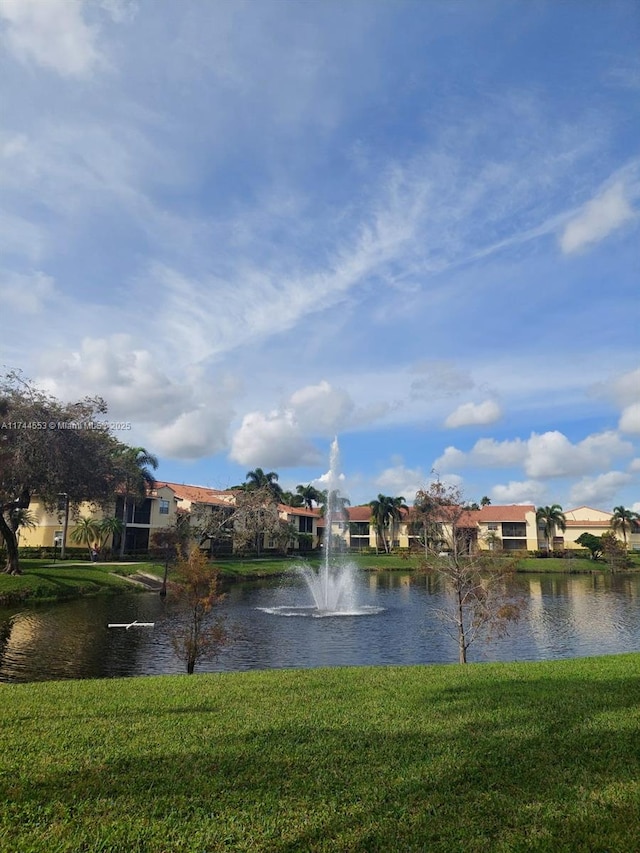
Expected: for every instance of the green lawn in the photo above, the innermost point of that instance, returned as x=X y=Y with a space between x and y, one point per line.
x=43 y=579
x=488 y=757
x=560 y=564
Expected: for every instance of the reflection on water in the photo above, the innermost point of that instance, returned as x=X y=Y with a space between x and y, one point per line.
x=565 y=616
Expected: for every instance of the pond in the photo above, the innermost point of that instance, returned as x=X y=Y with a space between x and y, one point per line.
x=565 y=616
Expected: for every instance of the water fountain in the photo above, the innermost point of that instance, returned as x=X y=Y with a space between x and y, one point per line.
x=333 y=587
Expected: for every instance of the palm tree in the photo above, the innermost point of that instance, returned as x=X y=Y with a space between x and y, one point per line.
x=258 y=479
x=21 y=518
x=485 y=501
x=109 y=527
x=385 y=513
x=289 y=499
x=133 y=464
x=309 y=495
x=552 y=517
x=335 y=500
x=87 y=532
x=622 y=520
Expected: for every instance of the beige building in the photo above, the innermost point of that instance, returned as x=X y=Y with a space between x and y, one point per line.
x=512 y=527
x=303 y=521
x=157 y=511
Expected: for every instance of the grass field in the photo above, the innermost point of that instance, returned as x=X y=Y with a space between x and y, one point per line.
x=488 y=757
x=42 y=579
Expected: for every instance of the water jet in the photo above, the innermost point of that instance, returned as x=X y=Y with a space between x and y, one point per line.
x=333 y=587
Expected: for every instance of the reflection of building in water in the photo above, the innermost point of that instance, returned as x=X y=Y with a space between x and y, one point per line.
x=579 y=614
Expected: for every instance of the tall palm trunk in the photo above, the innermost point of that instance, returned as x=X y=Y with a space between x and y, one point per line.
x=124 y=527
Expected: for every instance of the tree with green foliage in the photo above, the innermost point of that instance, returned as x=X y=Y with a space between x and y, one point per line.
x=87 y=532
x=481 y=601
x=95 y=533
x=197 y=586
x=135 y=480
x=310 y=495
x=485 y=501
x=47 y=448
x=550 y=518
x=386 y=511
x=336 y=501
x=289 y=499
x=258 y=479
x=592 y=543
x=623 y=521
x=110 y=529
x=614 y=552
x=21 y=519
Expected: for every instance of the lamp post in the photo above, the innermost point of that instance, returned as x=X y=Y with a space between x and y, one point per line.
x=63 y=506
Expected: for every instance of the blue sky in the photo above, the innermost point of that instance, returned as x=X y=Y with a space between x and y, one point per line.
x=252 y=226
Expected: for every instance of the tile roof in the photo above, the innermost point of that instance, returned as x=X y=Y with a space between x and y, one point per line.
x=510 y=512
x=359 y=513
x=200 y=494
x=299 y=510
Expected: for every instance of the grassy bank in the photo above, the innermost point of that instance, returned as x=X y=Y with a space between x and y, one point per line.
x=500 y=757
x=43 y=580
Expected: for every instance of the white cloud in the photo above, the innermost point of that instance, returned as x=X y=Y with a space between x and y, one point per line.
x=525 y=492
x=553 y=455
x=451 y=459
x=598 y=491
x=128 y=376
x=272 y=440
x=469 y=414
x=630 y=419
x=626 y=388
x=624 y=391
x=597 y=219
x=400 y=480
x=51 y=33
x=486 y=453
x=194 y=434
x=549 y=454
x=321 y=409
x=26 y=293
x=282 y=436
x=635 y=465
x=184 y=419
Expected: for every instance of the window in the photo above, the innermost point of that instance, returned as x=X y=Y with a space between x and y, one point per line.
x=305 y=524
x=514 y=528
x=514 y=544
x=164 y=507
x=359 y=528
x=492 y=525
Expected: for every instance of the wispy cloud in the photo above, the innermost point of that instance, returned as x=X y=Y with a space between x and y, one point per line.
x=256 y=224
x=52 y=34
x=598 y=218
